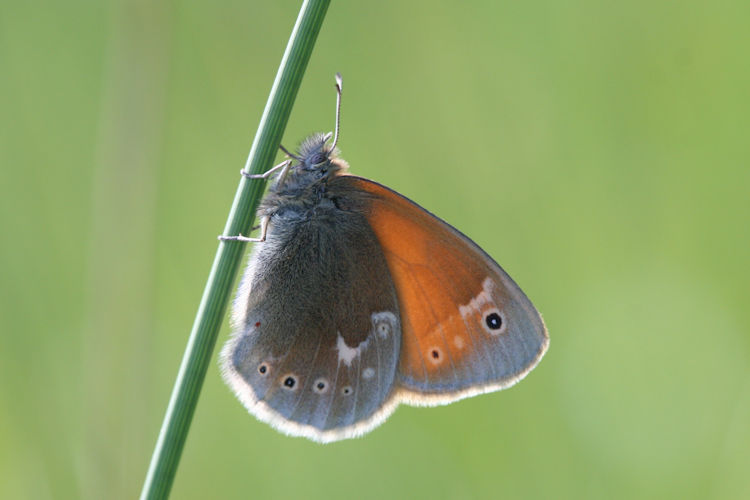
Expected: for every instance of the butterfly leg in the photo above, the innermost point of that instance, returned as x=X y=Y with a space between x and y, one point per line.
x=263 y=231
x=284 y=165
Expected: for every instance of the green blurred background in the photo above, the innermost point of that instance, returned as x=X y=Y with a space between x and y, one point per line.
x=598 y=150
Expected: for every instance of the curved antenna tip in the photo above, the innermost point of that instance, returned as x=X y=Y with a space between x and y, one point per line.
x=339 y=85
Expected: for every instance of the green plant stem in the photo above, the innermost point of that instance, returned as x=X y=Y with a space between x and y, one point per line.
x=213 y=304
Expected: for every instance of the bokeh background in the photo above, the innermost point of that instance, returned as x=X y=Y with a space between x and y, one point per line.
x=598 y=150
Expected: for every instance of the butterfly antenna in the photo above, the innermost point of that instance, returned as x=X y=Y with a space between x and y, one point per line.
x=339 y=85
x=290 y=155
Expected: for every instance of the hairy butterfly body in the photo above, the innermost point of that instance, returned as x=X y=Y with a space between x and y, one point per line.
x=356 y=299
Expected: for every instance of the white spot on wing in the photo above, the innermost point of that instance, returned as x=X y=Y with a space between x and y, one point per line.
x=369 y=372
x=482 y=299
x=481 y=306
x=346 y=353
x=384 y=322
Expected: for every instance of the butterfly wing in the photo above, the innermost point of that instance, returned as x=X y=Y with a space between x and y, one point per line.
x=316 y=328
x=467 y=327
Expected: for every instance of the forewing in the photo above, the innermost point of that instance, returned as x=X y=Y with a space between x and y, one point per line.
x=467 y=327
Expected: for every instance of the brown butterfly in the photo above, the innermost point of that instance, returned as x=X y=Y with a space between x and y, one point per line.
x=356 y=299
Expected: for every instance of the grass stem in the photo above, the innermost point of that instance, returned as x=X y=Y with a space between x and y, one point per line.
x=199 y=350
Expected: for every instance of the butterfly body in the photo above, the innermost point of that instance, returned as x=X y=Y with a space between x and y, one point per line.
x=357 y=299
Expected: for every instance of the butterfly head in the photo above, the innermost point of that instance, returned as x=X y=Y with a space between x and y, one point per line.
x=317 y=160
x=318 y=156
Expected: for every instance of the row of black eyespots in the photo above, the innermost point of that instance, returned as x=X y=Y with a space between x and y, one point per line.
x=493 y=320
x=289 y=382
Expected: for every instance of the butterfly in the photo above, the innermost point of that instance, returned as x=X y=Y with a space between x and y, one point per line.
x=356 y=299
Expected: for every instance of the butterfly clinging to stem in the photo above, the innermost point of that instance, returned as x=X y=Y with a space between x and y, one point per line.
x=356 y=299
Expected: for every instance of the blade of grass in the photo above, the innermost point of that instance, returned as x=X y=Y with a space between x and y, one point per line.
x=213 y=304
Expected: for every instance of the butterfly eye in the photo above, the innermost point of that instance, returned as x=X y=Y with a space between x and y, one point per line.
x=318 y=159
x=494 y=322
x=290 y=382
